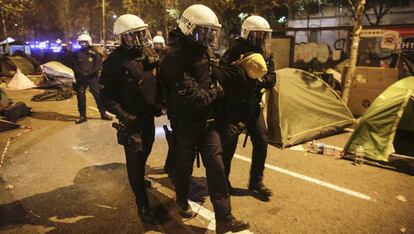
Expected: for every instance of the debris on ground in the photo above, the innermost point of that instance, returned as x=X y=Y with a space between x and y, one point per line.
x=81 y=148
x=401 y=198
x=297 y=148
x=322 y=148
x=9 y=187
x=105 y=206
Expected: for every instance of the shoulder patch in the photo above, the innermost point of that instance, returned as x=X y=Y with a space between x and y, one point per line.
x=181 y=92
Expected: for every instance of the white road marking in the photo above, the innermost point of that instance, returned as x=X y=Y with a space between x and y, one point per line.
x=310 y=179
x=197 y=208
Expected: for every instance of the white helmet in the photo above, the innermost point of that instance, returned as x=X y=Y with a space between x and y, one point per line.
x=158 y=39
x=131 y=31
x=85 y=37
x=201 y=24
x=158 y=42
x=257 y=31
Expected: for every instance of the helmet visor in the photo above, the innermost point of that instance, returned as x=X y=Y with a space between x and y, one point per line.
x=136 y=38
x=260 y=39
x=207 y=36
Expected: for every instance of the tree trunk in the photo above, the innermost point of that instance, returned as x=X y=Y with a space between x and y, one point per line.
x=354 y=50
x=307 y=26
x=3 y=22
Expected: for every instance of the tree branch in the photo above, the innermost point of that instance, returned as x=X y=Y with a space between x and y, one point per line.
x=352 y=6
x=368 y=18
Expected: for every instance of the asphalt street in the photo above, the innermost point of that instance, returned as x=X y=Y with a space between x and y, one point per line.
x=68 y=178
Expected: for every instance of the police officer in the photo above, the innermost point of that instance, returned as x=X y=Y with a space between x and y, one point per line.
x=86 y=65
x=191 y=95
x=255 y=38
x=158 y=43
x=129 y=92
x=159 y=46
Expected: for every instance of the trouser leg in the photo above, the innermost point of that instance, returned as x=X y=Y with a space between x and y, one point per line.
x=135 y=163
x=259 y=137
x=81 y=97
x=169 y=165
x=94 y=88
x=136 y=158
x=183 y=173
x=229 y=148
x=211 y=153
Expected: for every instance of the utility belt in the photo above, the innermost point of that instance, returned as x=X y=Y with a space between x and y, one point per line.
x=126 y=138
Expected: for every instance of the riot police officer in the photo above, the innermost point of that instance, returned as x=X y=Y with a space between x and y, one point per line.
x=158 y=43
x=255 y=38
x=129 y=92
x=190 y=98
x=86 y=66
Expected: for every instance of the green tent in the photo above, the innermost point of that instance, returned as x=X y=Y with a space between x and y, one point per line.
x=389 y=118
x=4 y=99
x=302 y=107
x=9 y=65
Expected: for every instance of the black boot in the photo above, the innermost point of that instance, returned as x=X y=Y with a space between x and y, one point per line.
x=260 y=188
x=233 y=225
x=106 y=117
x=81 y=120
x=185 y=210
x=146 y=215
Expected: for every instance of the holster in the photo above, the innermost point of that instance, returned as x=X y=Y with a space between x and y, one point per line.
x=128 y=139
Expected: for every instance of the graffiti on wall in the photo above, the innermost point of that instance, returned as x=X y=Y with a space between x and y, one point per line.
x=306 y=52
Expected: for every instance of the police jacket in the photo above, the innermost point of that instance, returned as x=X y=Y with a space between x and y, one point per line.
x=240 y=97
x=185 y=74
x=87 y=63
x=128 y=83
x=242 y=94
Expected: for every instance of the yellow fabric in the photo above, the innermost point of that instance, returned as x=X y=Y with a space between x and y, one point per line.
x=254 y=65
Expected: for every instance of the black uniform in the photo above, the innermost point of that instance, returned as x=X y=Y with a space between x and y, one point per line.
x=129 y=92
x=242 y=108
x=185 y=73
x=87 y=63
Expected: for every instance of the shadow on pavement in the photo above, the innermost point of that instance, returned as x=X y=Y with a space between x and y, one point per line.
x=99 y=201
x=50 y=115
x=198 y=187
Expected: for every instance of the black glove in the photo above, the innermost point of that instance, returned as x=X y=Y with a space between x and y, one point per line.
x=130 y=121
x=234 y=130
x=134 y=68
x=218 y=88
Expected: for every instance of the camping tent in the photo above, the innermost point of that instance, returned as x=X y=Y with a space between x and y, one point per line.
x=57 y=75
x=389 y=117
x=302 y=107
x=20 y=82
x=10 y=64
x=4 y=100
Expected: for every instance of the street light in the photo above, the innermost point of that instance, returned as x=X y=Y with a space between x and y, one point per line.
x=114 y=16
x=103 y=23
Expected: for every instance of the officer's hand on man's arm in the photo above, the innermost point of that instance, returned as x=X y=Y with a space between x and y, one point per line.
x=134 y=68
x=269 y=80
x=218 y=89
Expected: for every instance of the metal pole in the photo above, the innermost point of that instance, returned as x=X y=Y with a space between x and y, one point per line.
x=103 y=23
